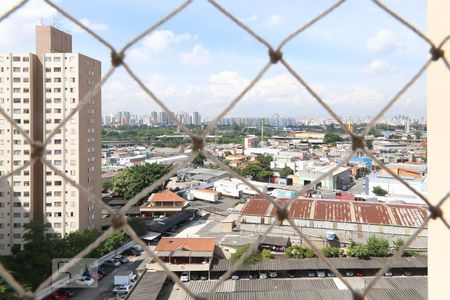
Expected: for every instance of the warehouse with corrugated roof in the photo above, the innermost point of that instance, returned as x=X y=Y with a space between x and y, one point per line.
x=348 y=219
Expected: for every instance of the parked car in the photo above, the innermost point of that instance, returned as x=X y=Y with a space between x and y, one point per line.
x=184 y=277
x=194 y=276
x=56 y=295
x=122 y=259
x=253 y=275
x=112 y=262
x=321 y=274
x=273 y=274
x=84 y=281
x=291 y=273
x=234 y=276
x=349 y=274
x=97 y=276
x=388 y=274
x=203 y=276
x=262 y=275
x=407 y=272
x=122 y=289
x=131 y=252
x=102 y=271
x=331 y=274
x=359 y=273
x=311 y=274
x=138 y=248
x=67 y=292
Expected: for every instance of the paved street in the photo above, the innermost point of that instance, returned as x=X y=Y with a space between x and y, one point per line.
x=358 y=188
x=105 y=286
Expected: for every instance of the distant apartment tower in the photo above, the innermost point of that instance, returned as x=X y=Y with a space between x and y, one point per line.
x=196 y=118
x=38 y=92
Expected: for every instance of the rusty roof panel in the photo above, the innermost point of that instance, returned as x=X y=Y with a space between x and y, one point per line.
x=409 y=215
x=256 y=206
x=372 y=213
x=300 y=209
x=338 y=211
x=282 y=202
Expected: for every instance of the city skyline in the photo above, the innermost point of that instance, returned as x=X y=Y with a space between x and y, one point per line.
x=356 y=69
x=195 y=118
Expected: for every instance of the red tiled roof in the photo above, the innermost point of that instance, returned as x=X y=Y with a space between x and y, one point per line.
x=188 y=244
x=165 y=196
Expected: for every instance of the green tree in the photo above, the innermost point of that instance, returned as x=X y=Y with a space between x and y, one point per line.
x=369 y=144
x=299 y=251
x=264 y=160
x=266 y=254
x=253 y=258
x=114 y=241
x=379 y=191
x=333 y=252
x=252 y=170
x=130 y=181
x=418 y=135
x=398 y=244
x=199 y=160
x=376 y=133
x=357 y=250
x=364 y=171
x=107 y=185
x=331 y=138
x=285 y=172
x=377 y=247
x=264 y=175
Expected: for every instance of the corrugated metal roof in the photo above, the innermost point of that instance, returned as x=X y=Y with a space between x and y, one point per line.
x=316 y=264
x=256 y=207
x=408 y=215
x=410 y=288
x=148 y=286
x=372 y=213
x=282 y=203
x=300 y=209
x=333 y=211
x=342 y=211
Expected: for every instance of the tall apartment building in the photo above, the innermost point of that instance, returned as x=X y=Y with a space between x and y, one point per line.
x=38 y=91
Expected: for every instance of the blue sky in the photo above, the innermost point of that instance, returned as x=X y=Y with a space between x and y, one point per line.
x=356 y=58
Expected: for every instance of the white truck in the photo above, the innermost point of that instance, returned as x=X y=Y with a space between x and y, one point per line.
x=124 y=278
x=206 y=194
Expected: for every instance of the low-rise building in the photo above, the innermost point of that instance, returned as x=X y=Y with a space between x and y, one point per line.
x=184 y=254
x=164 y=203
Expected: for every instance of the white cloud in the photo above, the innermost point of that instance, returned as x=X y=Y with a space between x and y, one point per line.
x=361 y=96
x=161 y=39
x=379 y=67
x=157 y=42
x=18 y=30
x=275 y=94
x=199 y=56
x=384 y=41
x=252 y=18
x=226 y=84
x=98 y=27
x=273 y=20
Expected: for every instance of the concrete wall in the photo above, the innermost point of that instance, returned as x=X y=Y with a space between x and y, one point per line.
x=358 y=233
